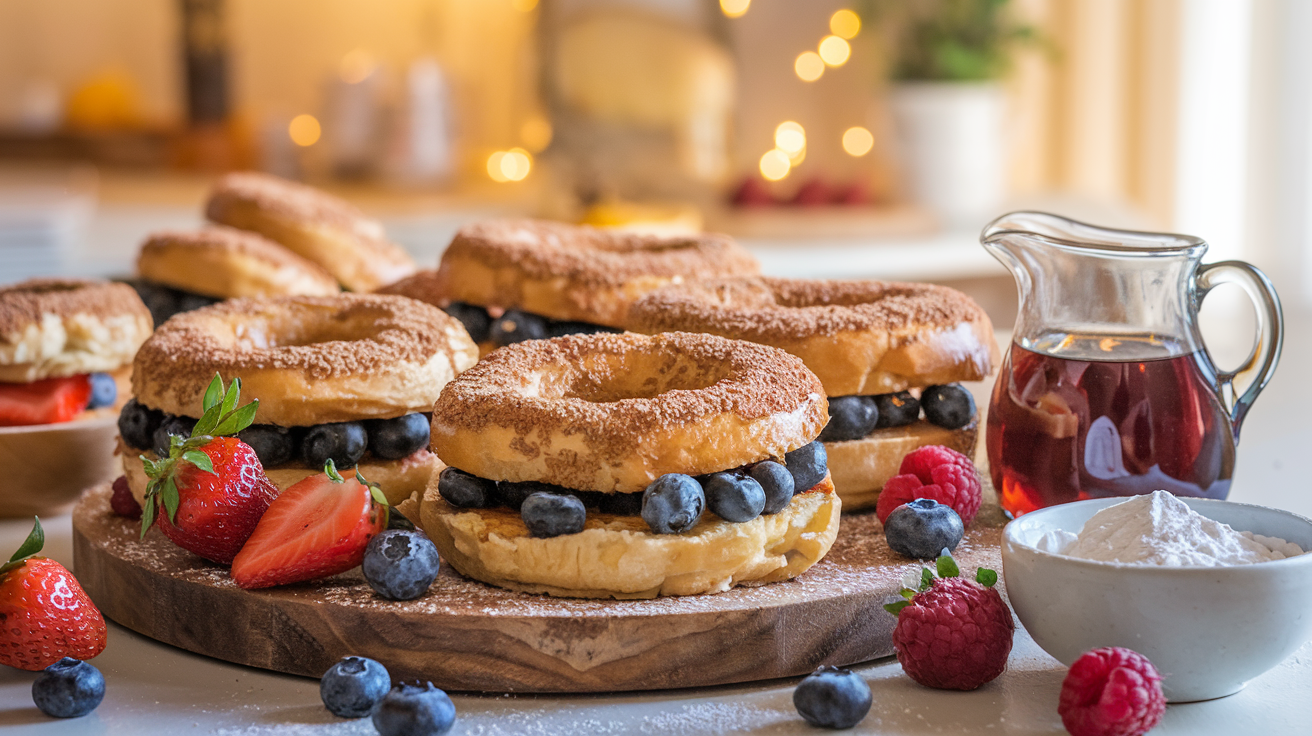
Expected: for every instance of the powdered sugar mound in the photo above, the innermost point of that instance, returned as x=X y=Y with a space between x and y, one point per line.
x=1160 y=529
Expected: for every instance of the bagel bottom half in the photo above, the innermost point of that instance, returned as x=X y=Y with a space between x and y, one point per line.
x=399 y=479
x=860 y=468
x=617 y=557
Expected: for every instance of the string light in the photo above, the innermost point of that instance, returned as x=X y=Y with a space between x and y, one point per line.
x=735 y=8
x=790 y=138
x=809 y=66
x=775 y=165
x=858 y=141
x=304 y=130
x=512 y=165
x=845 y=24
x=834 y=50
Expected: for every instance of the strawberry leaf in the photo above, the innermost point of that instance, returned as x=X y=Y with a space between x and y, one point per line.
x=896 y=608
x=169 y=495
x=947 y=567
x=213 y=394
x=36 y=539
x=199 y=459
x=377 y=494
x=152 y=470
x=208 y=421
x=926 y=579
x=330 y=470
x=147 y=513
x=986 y=577
x=237 y=420
x=231 y=396
x=908 y=593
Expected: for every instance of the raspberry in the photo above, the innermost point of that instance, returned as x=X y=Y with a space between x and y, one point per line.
x=1111 y=692
x=122 y=502
x=954 y=636
x=938 y=473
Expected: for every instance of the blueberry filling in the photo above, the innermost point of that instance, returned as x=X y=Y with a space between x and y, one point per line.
x=166 y=301
x=346 y=443
x=517 y=326
x=854 y=417
x=672 y=504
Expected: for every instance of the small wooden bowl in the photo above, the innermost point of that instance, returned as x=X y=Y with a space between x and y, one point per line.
x=47 y=466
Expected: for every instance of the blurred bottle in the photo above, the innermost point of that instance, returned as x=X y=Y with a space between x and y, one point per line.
x=353 y=116
x=211 y=141
x=420 y=150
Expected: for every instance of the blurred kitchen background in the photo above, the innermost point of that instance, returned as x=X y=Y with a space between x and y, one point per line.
x=838 y=138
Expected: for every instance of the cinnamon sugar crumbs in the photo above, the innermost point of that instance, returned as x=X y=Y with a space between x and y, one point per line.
x=25 y=303
x=320 y=337
x=588 y=255
x=293 y=201
x=766 y=309
x=424 y=286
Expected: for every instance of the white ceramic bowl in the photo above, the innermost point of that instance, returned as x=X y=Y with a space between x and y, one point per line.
x=1208 y=630
x=47 y=466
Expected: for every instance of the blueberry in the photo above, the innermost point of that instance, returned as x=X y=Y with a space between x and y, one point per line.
x=733 y=497
x=68 y=688
x=400 y=565
x=516 y=326
x=476 y=320
x=137 y=425
x=897 y=410
x=104 y=391
x=832 y=698
x=344 y=442
x=172 y=425
x=553 y=514
x=353 y=686
x=511 y=494
x=412 y=709
x=850 y=418
x=950 y=406
x=621 y=504
x=274 y=445
x=777 y=483
x=393 y=439
x=160 y=300
x=466 y=491
x=922 y=528
x=673 y=503
x=557 y=328
x=809 y=465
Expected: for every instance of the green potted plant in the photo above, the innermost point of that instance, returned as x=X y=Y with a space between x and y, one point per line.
x=946 y=60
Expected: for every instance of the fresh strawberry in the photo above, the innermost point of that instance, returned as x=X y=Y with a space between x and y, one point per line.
x=212 y=487
x=316 y=528
x=953 y=633
x=44 y=614
x=43 y=402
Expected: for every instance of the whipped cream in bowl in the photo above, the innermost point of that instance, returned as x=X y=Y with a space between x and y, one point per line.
x=1213 y=592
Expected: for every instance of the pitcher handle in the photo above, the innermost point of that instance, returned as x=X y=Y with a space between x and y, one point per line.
x=1261 y=361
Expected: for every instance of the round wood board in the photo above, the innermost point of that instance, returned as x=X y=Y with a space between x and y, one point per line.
x=466 y=636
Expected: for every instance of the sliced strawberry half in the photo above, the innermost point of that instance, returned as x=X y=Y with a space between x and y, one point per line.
x=316 y=528
x=43 y=402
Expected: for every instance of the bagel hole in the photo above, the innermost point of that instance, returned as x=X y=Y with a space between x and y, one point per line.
x=608 y=380
x=287 y=333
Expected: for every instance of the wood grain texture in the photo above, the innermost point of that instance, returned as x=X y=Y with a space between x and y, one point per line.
x=466 y=636
x=48 y=466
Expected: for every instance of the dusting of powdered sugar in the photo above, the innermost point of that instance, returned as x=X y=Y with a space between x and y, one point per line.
x=1160 y=529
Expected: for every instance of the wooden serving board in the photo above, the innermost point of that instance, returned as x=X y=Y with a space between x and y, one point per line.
x=467 y=636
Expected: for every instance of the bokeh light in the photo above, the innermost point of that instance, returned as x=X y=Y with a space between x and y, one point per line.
x=512 y=165
x=775 y=165
x=845 y=24
x=790 y=138
x=735 y=8
x=809 y=66
x=858 y=141
x=834 y=51
x=304 y=130
x=536 y=133
x=356 y=66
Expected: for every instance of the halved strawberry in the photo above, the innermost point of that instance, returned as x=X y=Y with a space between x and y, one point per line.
x=212 y=488
x=44 y=402
x=316 y=528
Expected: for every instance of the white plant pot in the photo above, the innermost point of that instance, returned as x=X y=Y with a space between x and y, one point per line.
x=952 y=146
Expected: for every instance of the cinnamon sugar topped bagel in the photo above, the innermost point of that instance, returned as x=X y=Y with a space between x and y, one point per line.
x=612 y=413
x=227 y=263
x=316 y=225
x=309 y=360
x=572 y=273
x=859 y=337
x=64 y=327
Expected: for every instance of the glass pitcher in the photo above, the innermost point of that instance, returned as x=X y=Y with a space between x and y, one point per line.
x=1108 y=389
